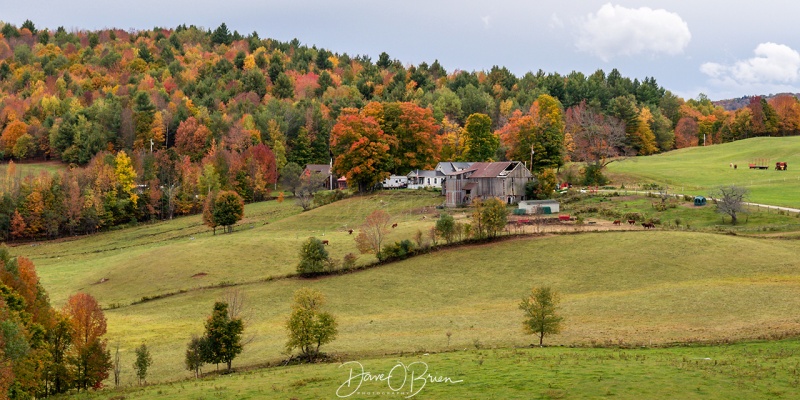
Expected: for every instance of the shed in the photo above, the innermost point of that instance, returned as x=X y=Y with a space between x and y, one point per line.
x=539 y=206
x=699 y=201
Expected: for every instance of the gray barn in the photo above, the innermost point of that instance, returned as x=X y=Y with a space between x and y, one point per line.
x=482 y=180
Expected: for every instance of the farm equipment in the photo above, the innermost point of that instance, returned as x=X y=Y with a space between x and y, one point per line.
x=759 y=163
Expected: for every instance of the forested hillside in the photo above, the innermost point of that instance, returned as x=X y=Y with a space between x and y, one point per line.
x=156 y=120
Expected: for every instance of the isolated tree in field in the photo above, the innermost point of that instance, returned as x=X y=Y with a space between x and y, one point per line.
x=540 y=313
x=223 y=336
x=208 y=211
x=445 y=227
x=489 y=217
x=195 y=351
x=375 y=228
x=142 y=363
x=228 y=209
x=313 y=257
x=308 y=326
x=730 y=200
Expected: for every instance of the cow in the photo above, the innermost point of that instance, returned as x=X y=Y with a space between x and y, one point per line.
x=648 y=225
x=349 y=231
x=394 y=225
x=325 y=242
x=617 y=222
x=631 y=222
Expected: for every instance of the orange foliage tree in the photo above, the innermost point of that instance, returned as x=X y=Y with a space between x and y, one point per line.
x=361 y=150
x=88 y=322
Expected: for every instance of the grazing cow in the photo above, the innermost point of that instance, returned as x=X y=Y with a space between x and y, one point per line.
x=325 y=242
x=349 y=231
x=617 y=222
x=394 y=225
x=631 y=222
x=648 y=225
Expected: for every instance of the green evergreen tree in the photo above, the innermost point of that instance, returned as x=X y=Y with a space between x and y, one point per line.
x=223 y=336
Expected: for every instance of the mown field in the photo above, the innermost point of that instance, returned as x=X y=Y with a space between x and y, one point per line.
x=699 y=170
x=739 y=371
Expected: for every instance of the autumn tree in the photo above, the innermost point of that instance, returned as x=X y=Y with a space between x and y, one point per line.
x=480 y=143
x=686 y=133
x=597 y=139
x=489 y=217
x=144 y=116
x=126 y=176
x=371 y=235
x=91 y=359
x=308 y=326
x=191 y=137
x=414 y=128
x=361 y=150
x=228 y=209
x=787 y=108
x=643 y=138
x=12 y=132
x=223 y=336
x=541 y=317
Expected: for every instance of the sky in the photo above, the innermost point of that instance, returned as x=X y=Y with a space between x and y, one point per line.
x=721 y=48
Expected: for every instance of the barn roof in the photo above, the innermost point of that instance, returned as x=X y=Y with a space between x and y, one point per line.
x=490 y=169
x=321 y=168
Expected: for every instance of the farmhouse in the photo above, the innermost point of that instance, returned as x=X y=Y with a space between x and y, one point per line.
x=325 y=170
x=424 y=179
x=482 y=180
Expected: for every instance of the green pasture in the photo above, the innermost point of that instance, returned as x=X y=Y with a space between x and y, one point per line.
x=739 y=371
x=636 y=288
x=183 y=254
x=699 y=170
x=678 y=213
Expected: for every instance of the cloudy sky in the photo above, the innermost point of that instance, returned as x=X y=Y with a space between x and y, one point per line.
x=723 y=48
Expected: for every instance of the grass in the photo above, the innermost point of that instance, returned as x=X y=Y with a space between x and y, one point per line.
x=153 y=259
x=629 y=288
x=699 y=170
x=739 y=371
x=33 y=168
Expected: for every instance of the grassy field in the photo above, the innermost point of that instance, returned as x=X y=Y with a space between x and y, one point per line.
x=626 y=288
x=739 y=371
x=699 y=170
x=33 y=168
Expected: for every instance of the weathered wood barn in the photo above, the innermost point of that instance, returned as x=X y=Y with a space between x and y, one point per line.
x=482 y=180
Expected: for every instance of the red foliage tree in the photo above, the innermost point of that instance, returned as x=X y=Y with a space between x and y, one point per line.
x=361 y=149
x=686 y=133
x=191 y=137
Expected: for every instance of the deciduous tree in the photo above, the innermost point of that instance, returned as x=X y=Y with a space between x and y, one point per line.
x=228 y=209
x=480 y=142
x=541 y=317
x=370 y=236
x=91 y=360
x=361 y=150
x=223 y=335
x=731 y=200
x=309 y=327
x=313 y=257
x=142 y=363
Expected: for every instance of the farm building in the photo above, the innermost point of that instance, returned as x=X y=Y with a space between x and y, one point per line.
x=482 y=180
x=449 y=167
x=424 y=179
x=395 y=182
x=539 y=206
x=325 y=170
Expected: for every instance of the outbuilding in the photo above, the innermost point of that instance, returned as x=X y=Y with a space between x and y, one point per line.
x=699 y=201
x=539 y=206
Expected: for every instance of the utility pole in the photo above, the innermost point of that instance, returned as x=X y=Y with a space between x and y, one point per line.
x=151 y=145
x=531 y=158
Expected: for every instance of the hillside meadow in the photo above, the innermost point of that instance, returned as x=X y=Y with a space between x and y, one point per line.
x=739 y=371
x=699 y=170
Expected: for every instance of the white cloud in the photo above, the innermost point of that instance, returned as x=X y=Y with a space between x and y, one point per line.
x=487 y=21
x=619 y=31
x=773 y=64
x=555 y=22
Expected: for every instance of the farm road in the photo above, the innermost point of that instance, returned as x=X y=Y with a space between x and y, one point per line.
x=757 y=205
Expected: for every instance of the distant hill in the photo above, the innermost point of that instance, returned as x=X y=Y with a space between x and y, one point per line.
x=739 y=102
